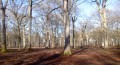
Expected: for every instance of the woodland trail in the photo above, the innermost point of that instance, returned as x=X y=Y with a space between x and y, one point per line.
x=86 y=56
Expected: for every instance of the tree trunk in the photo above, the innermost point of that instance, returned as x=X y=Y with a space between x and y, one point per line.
x=67 y=49
x=104 y=24
x=102 y=12
x=30 y=24
x=48 y=40
x=24 y=37
x=60 y=38
x=19 y=36
x=3 y=45
x=39 y=41
x=87 y=38
x=73 y=20
x=0 y=33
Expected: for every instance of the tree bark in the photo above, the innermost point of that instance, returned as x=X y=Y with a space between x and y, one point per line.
x=40 y=41
x=30 y=23
x=102 y=12
x=19 y=36
x=67 y=49
x=73 y=20
x=3 y=45
x=24 y=37
x=105 y=23
x=48 y=40
x=1 y=32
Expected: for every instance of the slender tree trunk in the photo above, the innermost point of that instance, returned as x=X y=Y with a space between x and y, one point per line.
x=3 y=45
x=87 y=38
x=73 y=20
x=48 y=40
x=67 y=49
x=48 y=32
x=24 y=37
x=30 y=24
x=54 y=38
x=19 y=36
x=39 y=41
x=0 y=33
x=60 y=41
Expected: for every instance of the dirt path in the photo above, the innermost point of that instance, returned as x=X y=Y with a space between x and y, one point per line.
x=94 y=57
x=87 y=56
x=84 y=57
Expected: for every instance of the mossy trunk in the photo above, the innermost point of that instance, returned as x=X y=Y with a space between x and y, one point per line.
x=4 y=48
x=3 y=45
x=67 y=51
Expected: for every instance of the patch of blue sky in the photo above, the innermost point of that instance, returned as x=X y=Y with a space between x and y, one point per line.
x=88 y=8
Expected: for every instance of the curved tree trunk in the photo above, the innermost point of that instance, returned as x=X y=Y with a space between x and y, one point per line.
x=67 y=50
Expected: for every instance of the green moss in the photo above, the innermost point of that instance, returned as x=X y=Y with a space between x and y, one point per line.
x=4 y=51
x=67 y=53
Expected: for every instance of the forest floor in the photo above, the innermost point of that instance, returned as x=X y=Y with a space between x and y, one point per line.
x=41 y=56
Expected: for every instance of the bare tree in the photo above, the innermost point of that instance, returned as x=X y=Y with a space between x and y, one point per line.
x=102 y=11
x=14 y=9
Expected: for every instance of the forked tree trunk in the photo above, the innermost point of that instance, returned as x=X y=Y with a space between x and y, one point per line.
x=67 y=49
x=102 y=12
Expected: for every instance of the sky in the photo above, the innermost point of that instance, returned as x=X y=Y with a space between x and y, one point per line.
x=87 y=8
